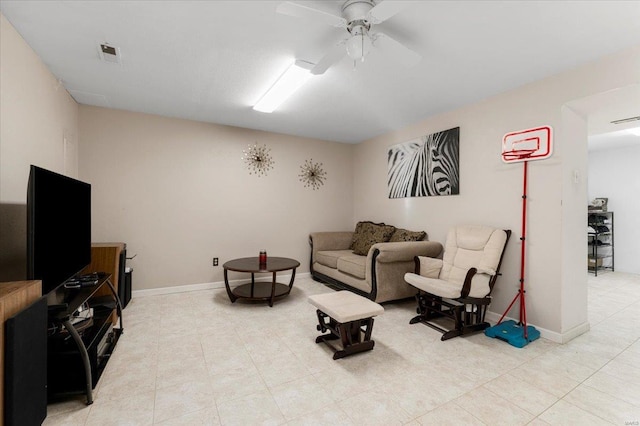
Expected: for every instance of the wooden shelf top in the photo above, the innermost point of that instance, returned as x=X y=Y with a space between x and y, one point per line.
x=116 y=245
x=7 y=288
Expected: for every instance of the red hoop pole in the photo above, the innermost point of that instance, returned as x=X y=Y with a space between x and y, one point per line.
x=509 y=308
x=521 y=292
x=523 y=309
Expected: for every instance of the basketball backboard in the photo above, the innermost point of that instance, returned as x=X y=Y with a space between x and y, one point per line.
x=525 y=145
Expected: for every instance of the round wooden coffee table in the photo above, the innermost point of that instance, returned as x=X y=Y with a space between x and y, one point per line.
x=256 y=291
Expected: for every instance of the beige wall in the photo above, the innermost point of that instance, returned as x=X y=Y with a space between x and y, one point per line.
x=491 y=191
x=36 y=115
x=178 y=193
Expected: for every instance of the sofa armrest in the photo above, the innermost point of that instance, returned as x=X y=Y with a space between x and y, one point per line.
x=388 y=262
x=331 y=240
x=339 y=240
x=405 y=250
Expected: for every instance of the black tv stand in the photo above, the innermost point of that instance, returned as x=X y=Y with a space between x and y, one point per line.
x=77 y=354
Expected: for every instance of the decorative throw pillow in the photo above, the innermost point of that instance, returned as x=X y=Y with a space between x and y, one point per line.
x=406 y=235
x=368 y=234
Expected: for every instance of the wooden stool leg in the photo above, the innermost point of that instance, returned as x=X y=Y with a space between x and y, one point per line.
x=350 y=335
x=355 y=333
x=353 y=342
x=353 y=338
x=323 y=326
x=369 y=325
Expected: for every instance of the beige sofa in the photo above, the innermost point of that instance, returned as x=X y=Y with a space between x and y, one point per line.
x=378 y=276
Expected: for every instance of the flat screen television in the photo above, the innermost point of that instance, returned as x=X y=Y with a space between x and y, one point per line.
x=58 y=227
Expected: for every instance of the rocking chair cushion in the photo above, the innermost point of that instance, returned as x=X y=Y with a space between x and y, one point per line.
x=430 y=267
x=469 y=246
x=434 y=286
x=472 y=246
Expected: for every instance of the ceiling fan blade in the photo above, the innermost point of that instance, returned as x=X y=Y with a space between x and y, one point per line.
x=385 y=10
x=398 y=51
x=331 y=57
x=302 y=11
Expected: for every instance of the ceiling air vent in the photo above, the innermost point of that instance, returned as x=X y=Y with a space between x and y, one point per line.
x=626 y=120
x=110 y=53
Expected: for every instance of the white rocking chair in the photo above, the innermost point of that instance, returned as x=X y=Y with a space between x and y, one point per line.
x=459 y=285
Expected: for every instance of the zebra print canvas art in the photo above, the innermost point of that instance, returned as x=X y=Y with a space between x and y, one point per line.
x=426 y=166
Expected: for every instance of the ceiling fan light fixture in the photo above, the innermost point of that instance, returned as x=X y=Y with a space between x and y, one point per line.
x=359 y=45
x=291 y=80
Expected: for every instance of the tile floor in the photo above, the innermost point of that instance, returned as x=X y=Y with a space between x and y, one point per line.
x=195 y=359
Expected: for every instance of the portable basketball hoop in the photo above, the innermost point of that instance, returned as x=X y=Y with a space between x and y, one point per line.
x=521 y=146
x=525 y=145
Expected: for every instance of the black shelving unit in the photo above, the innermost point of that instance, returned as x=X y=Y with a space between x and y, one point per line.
x=601 y=242
x=78 y=353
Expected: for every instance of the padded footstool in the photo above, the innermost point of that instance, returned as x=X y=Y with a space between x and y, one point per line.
x=348 y=317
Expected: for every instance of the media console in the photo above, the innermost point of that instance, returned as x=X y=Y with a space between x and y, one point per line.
x=82 y=335
x=23 y=362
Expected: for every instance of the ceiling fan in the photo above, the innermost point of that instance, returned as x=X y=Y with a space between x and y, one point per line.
x=358 y=18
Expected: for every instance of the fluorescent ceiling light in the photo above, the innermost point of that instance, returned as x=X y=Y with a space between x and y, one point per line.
x=292 y=79
x=634 y=131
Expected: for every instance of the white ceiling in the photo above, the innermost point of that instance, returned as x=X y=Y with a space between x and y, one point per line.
x=602 y=109
x=613 y=140
x=212 y=60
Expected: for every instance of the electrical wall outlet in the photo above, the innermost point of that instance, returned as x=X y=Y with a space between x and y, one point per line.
x=215 y=261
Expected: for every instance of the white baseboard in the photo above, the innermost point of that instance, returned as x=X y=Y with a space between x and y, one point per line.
x=206 y=286
x=490 y=317
x=547 y=334
x=575 y=332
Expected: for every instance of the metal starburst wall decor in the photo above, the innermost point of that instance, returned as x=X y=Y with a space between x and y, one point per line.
x=312 y=174
x=258 y=159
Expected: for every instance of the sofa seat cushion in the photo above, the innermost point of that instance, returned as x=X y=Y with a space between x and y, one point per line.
x=347 y=279
x=353 y=264
x=330 y=257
